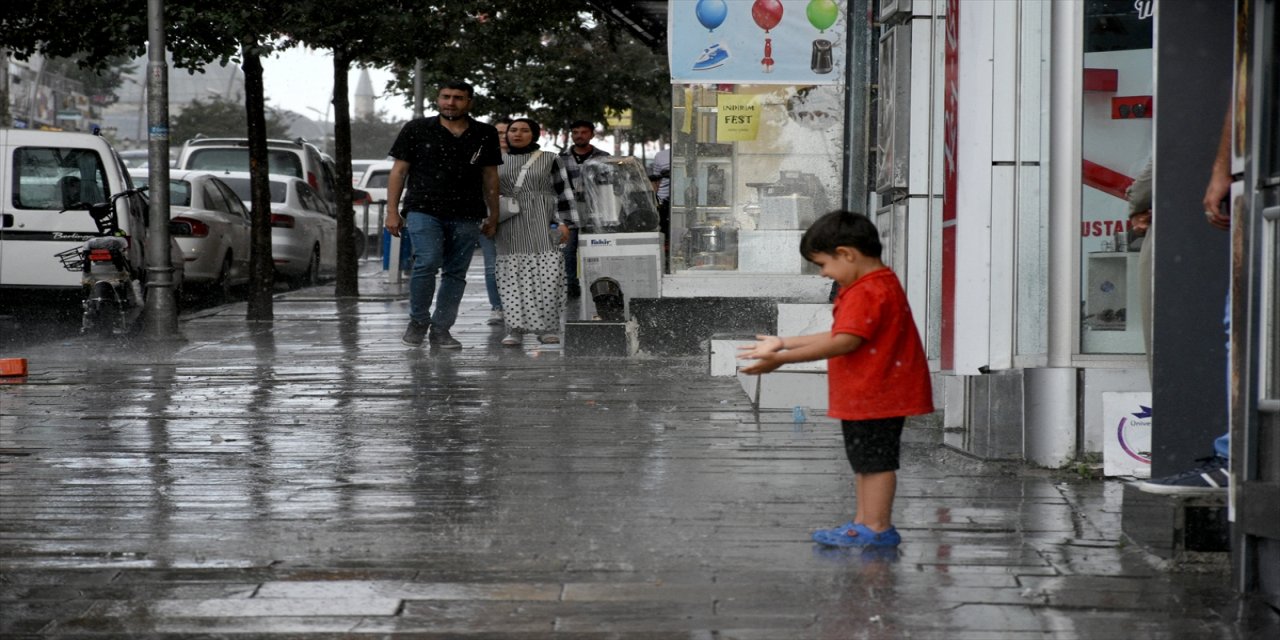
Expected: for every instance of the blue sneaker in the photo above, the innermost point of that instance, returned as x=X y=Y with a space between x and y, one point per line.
x=712 y=57
x=858 y=536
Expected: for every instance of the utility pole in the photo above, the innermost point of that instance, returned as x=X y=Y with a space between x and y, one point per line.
x=418 y=109
x=162 y=308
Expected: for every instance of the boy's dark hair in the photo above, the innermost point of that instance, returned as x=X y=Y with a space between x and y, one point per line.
x=458 y=85
x=582 y=123
x=841 y=229
x=503 y=120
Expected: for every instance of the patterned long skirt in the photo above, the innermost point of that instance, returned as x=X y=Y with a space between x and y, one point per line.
x=533 y=291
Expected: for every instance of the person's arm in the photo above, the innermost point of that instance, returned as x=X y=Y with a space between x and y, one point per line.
x=395 y=184
x=771 y=352
x=1220 y=181
x=566 y=201
x=490 y=181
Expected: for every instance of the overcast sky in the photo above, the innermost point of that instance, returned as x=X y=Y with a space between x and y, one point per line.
x=301 y=80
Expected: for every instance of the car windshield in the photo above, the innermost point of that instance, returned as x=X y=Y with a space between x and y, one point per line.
x=280 y=162
x=57 y=178
x=241 y=187
x=378 y=180
x=179 y=190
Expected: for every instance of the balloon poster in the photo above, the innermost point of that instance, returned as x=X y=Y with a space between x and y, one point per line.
x=756 y=41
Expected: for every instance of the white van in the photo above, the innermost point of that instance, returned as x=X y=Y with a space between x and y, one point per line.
x=43 y=173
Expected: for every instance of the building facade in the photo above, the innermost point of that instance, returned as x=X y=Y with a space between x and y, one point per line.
x=1002 y=139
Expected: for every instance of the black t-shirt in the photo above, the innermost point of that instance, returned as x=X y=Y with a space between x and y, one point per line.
x=446 y=171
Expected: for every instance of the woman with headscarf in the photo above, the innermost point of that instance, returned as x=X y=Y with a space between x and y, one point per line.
x=530 y=265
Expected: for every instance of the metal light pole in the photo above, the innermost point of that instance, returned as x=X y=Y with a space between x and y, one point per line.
x=418 y=97
x=162 y=309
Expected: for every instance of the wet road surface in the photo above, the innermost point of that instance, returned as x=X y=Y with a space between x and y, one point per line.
x=314 y=478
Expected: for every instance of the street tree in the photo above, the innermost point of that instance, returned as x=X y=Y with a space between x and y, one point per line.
x=197 y=33
x=556 y=63
x=395 y=34
x=219 y=117
x=372 y=137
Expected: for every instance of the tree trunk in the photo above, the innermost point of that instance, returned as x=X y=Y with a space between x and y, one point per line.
x=261 y=267
x=5 y=120
x=348 y=283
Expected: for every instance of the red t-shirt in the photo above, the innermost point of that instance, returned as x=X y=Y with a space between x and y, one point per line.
x=887 y=376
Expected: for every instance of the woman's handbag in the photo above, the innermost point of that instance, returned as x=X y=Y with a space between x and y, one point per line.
x=508 y=206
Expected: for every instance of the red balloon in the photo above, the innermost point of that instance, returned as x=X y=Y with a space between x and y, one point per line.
x=767 y=13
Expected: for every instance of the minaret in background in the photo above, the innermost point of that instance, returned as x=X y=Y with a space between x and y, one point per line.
x=364 y=97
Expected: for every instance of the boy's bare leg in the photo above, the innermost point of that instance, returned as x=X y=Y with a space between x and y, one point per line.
x=875 y=499
x=859 y=515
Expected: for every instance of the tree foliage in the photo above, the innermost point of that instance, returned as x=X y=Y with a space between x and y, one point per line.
x=221 y=118
x=372 y=137
x=555 y=63
x=549 y=59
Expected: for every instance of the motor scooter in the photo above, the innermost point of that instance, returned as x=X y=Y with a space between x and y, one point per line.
x=113 y=293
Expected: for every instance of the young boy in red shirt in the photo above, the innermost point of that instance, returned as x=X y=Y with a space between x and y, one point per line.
x=877 y=374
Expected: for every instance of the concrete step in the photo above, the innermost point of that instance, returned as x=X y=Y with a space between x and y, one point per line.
x=1178 y=528
x=801 y=384
x=785 y=389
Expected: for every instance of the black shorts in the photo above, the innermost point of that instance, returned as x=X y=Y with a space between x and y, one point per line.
x=873 y=445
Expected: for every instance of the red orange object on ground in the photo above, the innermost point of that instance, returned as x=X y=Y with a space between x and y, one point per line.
x=13 y=367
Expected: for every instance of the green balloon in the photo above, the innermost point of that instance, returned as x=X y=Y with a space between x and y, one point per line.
x=822 y=13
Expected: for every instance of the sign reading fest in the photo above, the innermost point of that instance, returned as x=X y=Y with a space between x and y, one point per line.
x=792 y=42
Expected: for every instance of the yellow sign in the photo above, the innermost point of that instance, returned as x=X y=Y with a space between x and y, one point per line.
x=687 y=125
x=737 y=117
x=619 y=119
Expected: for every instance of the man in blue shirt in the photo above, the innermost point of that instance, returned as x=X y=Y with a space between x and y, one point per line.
x=451 y=164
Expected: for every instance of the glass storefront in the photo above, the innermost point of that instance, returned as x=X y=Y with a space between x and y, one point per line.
x=1116 y=146
x=751 y=167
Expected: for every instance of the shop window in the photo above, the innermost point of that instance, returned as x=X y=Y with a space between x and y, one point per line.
x=751 y=167
x=1117 y=144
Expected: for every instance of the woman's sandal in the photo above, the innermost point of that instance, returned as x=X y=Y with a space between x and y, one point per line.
x=549 y=338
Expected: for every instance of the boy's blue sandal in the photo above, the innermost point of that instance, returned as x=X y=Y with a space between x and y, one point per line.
x=857 y=535
x=835 y=530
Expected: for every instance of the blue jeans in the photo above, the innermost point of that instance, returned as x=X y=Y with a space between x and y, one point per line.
x=1222 y=444
x=490 y=252
x=442 y=245
x=571 y=258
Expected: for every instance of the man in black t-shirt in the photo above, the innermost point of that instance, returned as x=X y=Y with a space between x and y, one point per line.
x=451 y=164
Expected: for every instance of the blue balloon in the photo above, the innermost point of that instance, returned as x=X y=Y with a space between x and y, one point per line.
x=711 y=13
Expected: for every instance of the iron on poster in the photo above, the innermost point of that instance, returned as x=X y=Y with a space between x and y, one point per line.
x=757 y=42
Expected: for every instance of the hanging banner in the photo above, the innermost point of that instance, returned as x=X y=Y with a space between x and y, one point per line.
x=756 y=42
x=618 y=119
x=738 y=117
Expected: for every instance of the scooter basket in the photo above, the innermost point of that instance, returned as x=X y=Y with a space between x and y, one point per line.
x=72 y=259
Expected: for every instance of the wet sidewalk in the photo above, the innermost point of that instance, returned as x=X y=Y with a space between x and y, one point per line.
x=314 y=478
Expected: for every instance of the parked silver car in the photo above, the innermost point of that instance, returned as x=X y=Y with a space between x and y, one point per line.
x=296 y=157
x=211 y=225
x=374 y=181
x=304 y=231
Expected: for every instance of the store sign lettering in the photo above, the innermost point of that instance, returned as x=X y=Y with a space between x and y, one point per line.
x=1103 y=228
x=1145 y=8
x=737 y=117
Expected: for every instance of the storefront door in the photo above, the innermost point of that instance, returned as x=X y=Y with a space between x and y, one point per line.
x=1255 y=432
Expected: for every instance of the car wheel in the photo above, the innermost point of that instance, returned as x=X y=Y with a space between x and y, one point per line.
x=360 y=242
x=312 y=276
x=222 y=286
